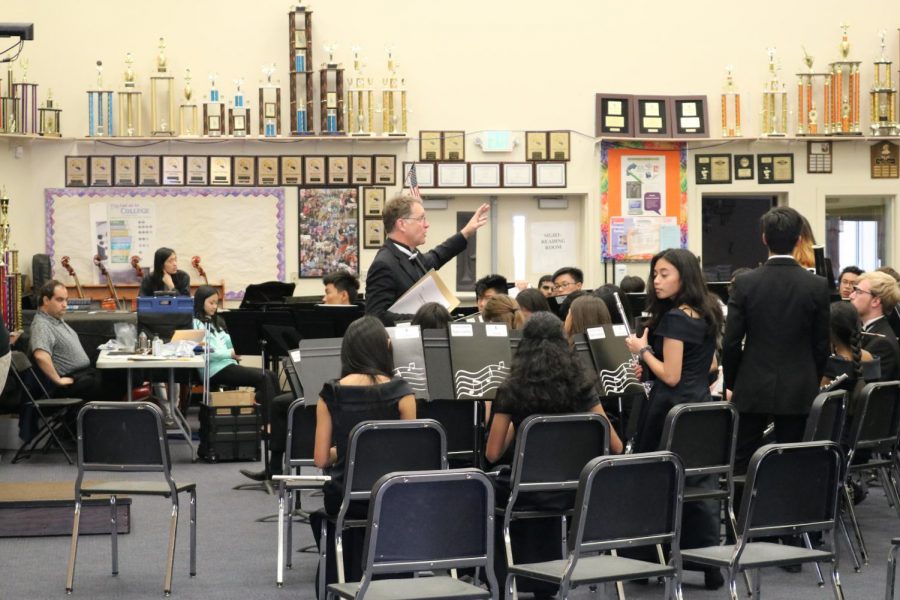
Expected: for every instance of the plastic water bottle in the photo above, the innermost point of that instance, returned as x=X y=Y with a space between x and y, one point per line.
x=143 y=343
x=157 y=345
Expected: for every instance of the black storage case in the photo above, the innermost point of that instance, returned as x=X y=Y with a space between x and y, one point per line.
x=229 y=433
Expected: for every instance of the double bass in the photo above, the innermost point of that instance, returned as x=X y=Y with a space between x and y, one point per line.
x=114 y=295
x=68 y=267
x=195 y=262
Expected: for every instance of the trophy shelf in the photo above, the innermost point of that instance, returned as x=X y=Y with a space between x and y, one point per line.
x=694 y=142
x=217 y=140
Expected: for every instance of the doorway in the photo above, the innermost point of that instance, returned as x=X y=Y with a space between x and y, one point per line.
x=856 y=231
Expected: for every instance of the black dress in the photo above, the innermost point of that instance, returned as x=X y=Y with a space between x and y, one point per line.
x=181 y=280
x=838 y=365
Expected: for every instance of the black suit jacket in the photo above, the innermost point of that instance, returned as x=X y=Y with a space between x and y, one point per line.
x=886 y=348
x=782 y=310
x=392 y=273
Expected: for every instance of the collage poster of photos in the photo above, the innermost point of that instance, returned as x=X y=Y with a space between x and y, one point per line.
x=329 y=231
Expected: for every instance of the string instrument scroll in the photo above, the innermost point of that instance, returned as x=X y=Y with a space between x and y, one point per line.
x=114 y=295
x=67 y=265
x=195 y=262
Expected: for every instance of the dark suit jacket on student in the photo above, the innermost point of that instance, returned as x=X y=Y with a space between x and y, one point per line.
x=886 y=348
x=783 y=311
x=392 y=273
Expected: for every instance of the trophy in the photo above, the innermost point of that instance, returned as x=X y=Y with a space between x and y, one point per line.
x=774 y=106
x=269 y=105
x=213 y=111
x=331 y=95
x=162 y=96
x=844 y=87
x=731 y=129
x=27 y=106
x=4 y=227
x=9 y=107
x=360 y=99
x=100 y=108
x=188 y=120
x=884 y=97
x=807 y=113
x=129 y=103
x=393 y=100
x=301 y=75
x=239 y=113
x=49 y=117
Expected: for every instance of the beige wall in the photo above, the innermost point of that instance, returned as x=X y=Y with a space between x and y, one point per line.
x=504 y=64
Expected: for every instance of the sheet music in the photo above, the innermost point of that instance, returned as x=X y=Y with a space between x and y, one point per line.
x=430 y=288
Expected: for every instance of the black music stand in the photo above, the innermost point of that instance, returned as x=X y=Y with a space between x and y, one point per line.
x=266 y=293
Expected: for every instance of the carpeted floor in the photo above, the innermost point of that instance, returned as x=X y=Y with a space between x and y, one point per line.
x=237 y=554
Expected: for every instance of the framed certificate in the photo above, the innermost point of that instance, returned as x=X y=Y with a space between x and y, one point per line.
x=373 y=234
x=149 y=170
x=197 y=170
x=361 y=169
x=424 y=174
x=173 y=170
x=484 y=175
x=535 y=145
x=689 y=117
x=775 y=168
x=244 y=169
x=291 y=170
x=613 y=115
x=76 y=171
x=373 y=201
x=101 y=170
x=558 y=145
x=744 y=166
x=454 y=146
x=712 y=168
x=314 y=170
x=338 y=170
x=518 y=175
x=125 y=170
x=651 y=116
x=220 y=170
x=267 y=170
x=385 y=170
x=452 y=175
x=551 y=174
x=430 y=145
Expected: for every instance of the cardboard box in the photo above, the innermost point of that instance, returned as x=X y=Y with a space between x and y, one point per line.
x=233 y=398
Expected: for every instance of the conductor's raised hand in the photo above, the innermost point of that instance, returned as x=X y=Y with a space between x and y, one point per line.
x=478 y=220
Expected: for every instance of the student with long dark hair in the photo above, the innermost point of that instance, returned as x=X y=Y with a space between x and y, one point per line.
x=678 y=347
x=586 y=311
x=366 y=391
x=431 y=315
x=848 y=356
x=165 y=276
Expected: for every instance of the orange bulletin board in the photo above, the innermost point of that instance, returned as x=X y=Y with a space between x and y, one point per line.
x=643 y=197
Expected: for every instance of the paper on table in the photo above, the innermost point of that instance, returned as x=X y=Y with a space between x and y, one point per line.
x=430 y=288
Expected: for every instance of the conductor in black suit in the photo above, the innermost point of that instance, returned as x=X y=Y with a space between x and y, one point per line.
x=776 y=339
x=875 y=295
x=399 y=264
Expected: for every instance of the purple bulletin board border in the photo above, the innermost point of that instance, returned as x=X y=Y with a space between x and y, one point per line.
x=50 y=195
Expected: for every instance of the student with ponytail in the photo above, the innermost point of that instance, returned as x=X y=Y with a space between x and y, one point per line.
x=848 y=357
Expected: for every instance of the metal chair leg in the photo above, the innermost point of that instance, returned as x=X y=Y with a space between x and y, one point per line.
x=732 y=585
x=170 y=555
x=114 y=534
x=857 y=532
x=279 y=568
x=323 y=556
x=73 y=547
x=808 y=543
x=891 y=573
x=290 y=532
x=836 y=582
x=757 y=582
x=620 y=587
x=193 y=570
x=507 y=542
x=339 y=554
x=850 y=547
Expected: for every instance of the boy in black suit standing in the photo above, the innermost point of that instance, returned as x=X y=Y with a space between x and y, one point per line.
x=776 y=339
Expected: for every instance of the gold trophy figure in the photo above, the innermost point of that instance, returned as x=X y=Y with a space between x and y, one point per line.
x=883 y=96
x=162 y=96
x=774 y=97
x=129 y=103
x=845 y=90
x=393 y=100
x=100 y=108
x=360 y=98
x=188 y=120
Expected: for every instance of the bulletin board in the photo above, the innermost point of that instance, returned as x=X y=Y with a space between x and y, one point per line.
x=238 y=232
x=643 y=199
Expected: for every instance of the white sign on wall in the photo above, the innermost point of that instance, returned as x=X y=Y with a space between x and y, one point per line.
x=553 y=245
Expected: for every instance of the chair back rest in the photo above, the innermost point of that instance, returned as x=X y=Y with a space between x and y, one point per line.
x=875 y=421
x=27 y=378
x=379 y=447
x=790 y=489
x=122 y=436
x=826 y=417
x=293 y=379
x=551 y=450
x=301 y=435
x=460 y=419
x=703 y=435
x=415 y=522
x=643 y=491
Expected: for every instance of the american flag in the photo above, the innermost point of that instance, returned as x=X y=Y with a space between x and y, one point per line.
x=413 y=182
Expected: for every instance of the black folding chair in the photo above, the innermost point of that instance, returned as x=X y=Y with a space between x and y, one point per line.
x=463 y=420
x=550 y=453
x=50 y=413
x=891 y=569
x=128 y=437
x=376 y=448
x=414 y=525
x=875 y=428
x=622 y=502
x=791 y=489
x=827 y=414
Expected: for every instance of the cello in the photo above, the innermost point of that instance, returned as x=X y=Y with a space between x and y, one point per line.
x=114 y=295
x=136 y=265
x=195 y=262
x=68 y=267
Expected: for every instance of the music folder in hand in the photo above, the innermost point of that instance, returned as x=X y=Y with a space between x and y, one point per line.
x=430 y=288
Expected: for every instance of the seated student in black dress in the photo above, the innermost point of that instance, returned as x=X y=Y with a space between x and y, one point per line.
x=165 y=276
x=546 y=378
x=848 y=356
x=366 y=391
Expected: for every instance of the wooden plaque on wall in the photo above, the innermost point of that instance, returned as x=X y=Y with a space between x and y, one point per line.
x=884 y=158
